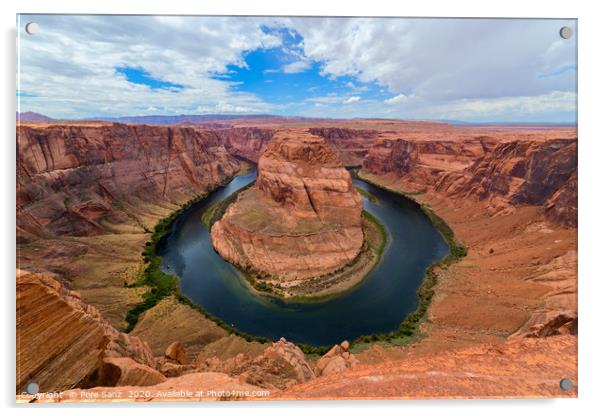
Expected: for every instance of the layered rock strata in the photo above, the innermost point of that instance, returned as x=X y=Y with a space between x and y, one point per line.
x=539 y=173
x=302 y=218
x=351 y=145
x=63 y=342
x=83 y=180
x=513 y=204
x=245 y=142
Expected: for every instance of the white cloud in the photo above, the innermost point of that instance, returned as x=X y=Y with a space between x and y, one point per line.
x=435 y=68
x=351 y=100
x=555 y=101
x=443 y=59
x=399 y=98
x=296 y=67
x=223 y=107
x=71 y=73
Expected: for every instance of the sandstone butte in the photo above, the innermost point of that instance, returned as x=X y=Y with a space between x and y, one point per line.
x=303 y=217
x=87 y=193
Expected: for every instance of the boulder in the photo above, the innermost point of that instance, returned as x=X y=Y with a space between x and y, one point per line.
x=281 y=365
x=124 y=371
x=336 y=360
x=176 y=351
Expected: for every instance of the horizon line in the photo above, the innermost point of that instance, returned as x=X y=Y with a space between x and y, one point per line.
x=259 y=115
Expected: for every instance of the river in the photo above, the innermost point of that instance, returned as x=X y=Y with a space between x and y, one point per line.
x=378 y=304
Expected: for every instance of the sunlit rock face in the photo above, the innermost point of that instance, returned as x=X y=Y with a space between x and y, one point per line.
x=302 y=218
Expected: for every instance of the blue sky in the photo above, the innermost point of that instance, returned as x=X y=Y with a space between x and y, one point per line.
x=138 y=75
x=460 y=69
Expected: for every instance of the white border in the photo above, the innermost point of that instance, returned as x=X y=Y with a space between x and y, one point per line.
x=590 y=154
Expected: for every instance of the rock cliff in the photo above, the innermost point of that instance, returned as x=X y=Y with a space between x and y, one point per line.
x=63 y=342
x=303 y=217
x=537 y=172
x=508 y=311
x=351 y=145
x=85 y=180
x=246 y=142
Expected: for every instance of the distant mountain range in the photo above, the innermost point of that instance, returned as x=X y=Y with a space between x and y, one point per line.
x=209 y=118
x=164 y=119
x=31 y=116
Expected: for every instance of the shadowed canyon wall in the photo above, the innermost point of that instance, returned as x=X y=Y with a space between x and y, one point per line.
x=88 y=180
x=540 y=173
x=351 y=145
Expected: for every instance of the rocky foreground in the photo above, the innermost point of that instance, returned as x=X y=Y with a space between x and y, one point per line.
x=64 y=343
x=301 y=220
x=502 y=323
x=84 y=359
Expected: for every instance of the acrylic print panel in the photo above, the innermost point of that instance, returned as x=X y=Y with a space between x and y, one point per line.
x=262 y=208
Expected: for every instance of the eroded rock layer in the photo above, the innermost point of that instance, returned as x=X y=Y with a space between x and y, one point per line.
x=350 y=145
x=89 y=180
x=303 y=217
x=62 y=342
x=506 y=312
x=526 y=172
x=481 y=371
x=246 y=142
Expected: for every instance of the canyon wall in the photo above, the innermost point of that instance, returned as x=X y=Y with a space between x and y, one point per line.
x=539 y=173
x=510 y=197
x=350 y=145
x=89 y=180
x=301 y=172
x=246 y=142
x=519 y=279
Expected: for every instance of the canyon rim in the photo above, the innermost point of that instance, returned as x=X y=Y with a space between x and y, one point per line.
x=186 y=222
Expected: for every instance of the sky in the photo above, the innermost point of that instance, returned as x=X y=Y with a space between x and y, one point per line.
x=477 y=70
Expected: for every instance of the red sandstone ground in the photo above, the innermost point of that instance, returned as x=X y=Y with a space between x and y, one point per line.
x=504 y=313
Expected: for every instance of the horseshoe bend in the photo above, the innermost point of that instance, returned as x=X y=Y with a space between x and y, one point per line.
x=99 y=311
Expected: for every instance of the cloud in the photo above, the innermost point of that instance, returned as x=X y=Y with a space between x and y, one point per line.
x=555 y=101
x=443 y=59
x=399 y=98
x=73 y=73
x=296 y=67
x=401 y=68
x=223 y=107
